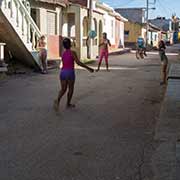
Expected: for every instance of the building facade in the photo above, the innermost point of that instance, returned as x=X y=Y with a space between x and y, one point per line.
x=132 y=31
x=57 y=19
x=48 y=15
x=113 y=24
x=134 y=27
x=80 y=18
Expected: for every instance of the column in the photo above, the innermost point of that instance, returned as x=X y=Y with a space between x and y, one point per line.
x=11 y=8
x=2 y=54
x=28 y=32
x=33 y=39
x=23 y=18
x=5 y=4
x=17 y=14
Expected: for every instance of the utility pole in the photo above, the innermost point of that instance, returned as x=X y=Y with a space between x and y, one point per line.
x=147 y=21
x=89 y=40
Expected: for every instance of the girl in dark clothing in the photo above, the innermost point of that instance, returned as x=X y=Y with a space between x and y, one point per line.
x=164 y=62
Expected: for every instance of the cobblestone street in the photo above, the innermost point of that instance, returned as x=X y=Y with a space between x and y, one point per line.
x=108 y=136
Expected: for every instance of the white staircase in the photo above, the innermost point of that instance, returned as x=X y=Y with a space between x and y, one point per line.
x=19 y=31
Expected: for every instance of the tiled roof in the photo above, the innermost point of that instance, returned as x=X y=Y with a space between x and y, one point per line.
x=58 y=2
x=81 y=2
x=133 y=14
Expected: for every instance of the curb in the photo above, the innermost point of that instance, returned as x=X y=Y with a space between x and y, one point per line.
x=120 y=52
x=90 y=61
x=166 y=158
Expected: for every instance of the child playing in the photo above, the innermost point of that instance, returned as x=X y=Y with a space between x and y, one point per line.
x=164 y=61
x=42 y=53
x=67 y=74
x=104 y=51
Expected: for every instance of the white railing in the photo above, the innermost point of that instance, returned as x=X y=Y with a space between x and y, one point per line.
x=17 y=12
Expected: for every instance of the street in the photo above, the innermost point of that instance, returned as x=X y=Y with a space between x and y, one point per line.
x=108 y=136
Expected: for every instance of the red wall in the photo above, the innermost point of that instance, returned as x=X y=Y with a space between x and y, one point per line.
x=54 y=46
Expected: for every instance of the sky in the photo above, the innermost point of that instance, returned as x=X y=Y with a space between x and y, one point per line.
x=164 y=8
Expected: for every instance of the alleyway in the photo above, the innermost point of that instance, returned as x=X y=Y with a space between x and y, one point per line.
x=108 y=136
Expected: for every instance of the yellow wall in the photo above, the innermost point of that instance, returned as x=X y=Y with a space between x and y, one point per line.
x=135 y=30
x=178 y=36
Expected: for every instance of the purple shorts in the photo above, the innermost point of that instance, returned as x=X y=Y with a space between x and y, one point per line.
x=67 y=74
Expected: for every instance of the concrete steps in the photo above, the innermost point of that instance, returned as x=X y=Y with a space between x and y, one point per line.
x=16 y=21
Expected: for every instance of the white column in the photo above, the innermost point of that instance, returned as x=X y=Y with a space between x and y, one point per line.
x=28 y=32
x=11 y=8
x=2 y=53
x=33 y=39
x=17 y=14
x=5 y=4
x=23 y=18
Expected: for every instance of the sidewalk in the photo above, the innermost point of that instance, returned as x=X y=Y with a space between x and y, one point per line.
x=166 y=159
x=119 y=51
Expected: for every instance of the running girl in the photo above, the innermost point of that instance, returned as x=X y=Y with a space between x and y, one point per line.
x=67 y=74
x=104 y=51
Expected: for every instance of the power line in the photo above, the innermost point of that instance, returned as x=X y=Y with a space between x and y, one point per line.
x=127 y=3
x=163 y=8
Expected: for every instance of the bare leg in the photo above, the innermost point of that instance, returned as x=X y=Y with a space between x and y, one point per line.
x=100 y=61
x=64 y=84
x=165 y=74
x=107 y=66
x=137 y=53
x=44 y=57
x=106 y=59
x=99 y=65
x=145 y=51
x=70 y=93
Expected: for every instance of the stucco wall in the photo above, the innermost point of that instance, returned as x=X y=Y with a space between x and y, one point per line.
x=42 y=22
x=134 y=29
x=73 y=9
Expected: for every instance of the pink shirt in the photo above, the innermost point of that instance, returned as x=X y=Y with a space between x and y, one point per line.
x=67 y=60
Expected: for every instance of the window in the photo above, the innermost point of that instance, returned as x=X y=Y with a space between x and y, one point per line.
x=51 y=23
x=126 y=33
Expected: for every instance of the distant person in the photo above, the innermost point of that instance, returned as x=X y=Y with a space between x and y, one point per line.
x=141 y=45
x=67 y=74
x=164 y=61
x=104 y=51
x=43 y=53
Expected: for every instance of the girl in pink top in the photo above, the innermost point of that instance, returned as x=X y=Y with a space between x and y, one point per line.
x=104 y=51
x=67 y=73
